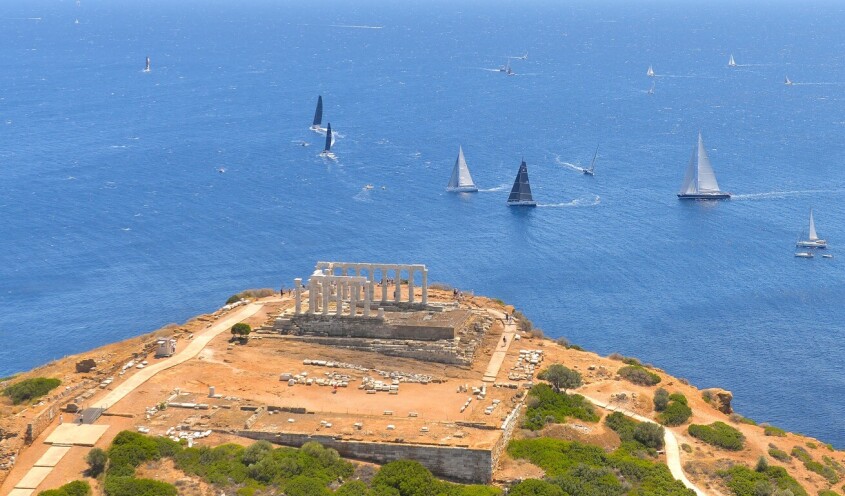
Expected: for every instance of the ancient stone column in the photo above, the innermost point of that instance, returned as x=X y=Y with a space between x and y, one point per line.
x=341 y=288
x=368 y=298
x=425 y=286
x=410 y=284
x=326 y=289
x=397 y=295
x=297 y=294
x=371 y=283
x=353 y=300
x=383 y=285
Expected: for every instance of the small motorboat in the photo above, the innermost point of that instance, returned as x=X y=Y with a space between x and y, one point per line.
x=803 y=254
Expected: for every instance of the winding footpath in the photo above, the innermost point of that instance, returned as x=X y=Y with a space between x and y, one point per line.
x=673 y=451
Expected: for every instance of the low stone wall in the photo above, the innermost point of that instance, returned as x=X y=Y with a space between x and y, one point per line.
x=508 y=428
x=431 y=351
x=456 y=463
x=359 y=327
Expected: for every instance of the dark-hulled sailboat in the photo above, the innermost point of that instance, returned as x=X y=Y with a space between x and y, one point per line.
x=700 y=180
x=318 y=115
x=521 y=192
x=327 y=151
x=147 y=65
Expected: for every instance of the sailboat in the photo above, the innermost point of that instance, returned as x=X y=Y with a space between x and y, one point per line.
x=318 y=115
x=147 y=65
x=813 y=240
x=700 y=180
x=651 y=90
x=327 y=151
x=521 y=192
x=649 y=72
x=732 y=62
x=787 y=82
x=592 y=169
x=461 y=180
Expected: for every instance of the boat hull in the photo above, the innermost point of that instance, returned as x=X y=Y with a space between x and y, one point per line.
x=811 y=244
x=463 y=189
x=522 y=204
x=704 y=196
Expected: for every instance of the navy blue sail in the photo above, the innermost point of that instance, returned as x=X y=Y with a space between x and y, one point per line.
x=328 y=138
x=318 y=114
x=521 y=192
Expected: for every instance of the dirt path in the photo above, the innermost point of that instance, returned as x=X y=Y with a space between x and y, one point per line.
x=501 y=350
x=673 y=452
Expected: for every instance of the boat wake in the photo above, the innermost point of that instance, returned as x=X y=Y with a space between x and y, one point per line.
x=353 y=26
x=578 y=202
x=501 y=187
x=784 y=194
x=572 y=166
x=364 y=196
x=817 y=84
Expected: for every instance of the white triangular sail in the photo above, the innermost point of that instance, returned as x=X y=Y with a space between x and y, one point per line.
x=813 y=235
x=650 y=71
x=732 y=62
x=689 y=186
x=461 y=178
x=706 y=177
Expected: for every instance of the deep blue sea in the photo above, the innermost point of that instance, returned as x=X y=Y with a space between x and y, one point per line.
x=114 y=219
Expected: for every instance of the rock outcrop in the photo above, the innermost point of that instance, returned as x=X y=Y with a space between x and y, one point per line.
x=720 y=399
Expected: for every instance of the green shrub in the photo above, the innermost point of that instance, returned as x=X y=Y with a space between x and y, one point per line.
x=75 y=488
x=130 y=486
x=825 y=471
x=561 y=377
x=535 y=487
x=250 y=293
x=746 y=482
x=779 y=455
x=677 y=412
x=718 y=434
x=828 y=492
x=661 y=399
x=650 y=435
x=586 y=470
x=256 y=451
x=96 y=460
x=639 y=375
x=30 y=389
x=631 y=361
x=771 y=430
x=830 y=462
x=547 y=405
x=241 y=329
x=622 y=425
x=353 y=488
x=812 y=445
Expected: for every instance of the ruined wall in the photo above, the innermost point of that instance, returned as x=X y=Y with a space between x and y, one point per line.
x=432 y=351
x=508 y=428
x=459 y=464
x=359 y=327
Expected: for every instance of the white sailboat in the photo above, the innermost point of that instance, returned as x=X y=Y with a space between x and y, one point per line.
x=813 y=240
x=651 y=90
x=521 y=192
x=649 y=72
x=787 y=82
x=592 y=169
x=732 y=62
x=700 y=180
x=147 y=65
x=461 y=180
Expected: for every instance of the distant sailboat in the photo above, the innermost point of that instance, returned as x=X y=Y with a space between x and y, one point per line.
x=787 y=82
x=461 y=180
x=700 y=180
x=591 y=171
x=147 y=65
x=318 y=115
x=813 y=240
x=649 y=72
x=327 y=151
x=521 y=192
x=732 y=62
x=651 y=90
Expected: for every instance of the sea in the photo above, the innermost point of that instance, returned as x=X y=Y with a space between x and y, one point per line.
x=130 y=200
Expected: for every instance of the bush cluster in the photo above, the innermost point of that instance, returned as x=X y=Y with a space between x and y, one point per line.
x=251 y=294
x=677 y=411
x=561 y=377
x=75 y=488
x=771 y=430
x=661 y=399
x=586 y=470
x=771 y=481
x=241 y=329
x=647 y=434
x=639 y=375
x=779 y=454
x=718 y=434
x=30 y=389
x=825 y=471
x=545 y=405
